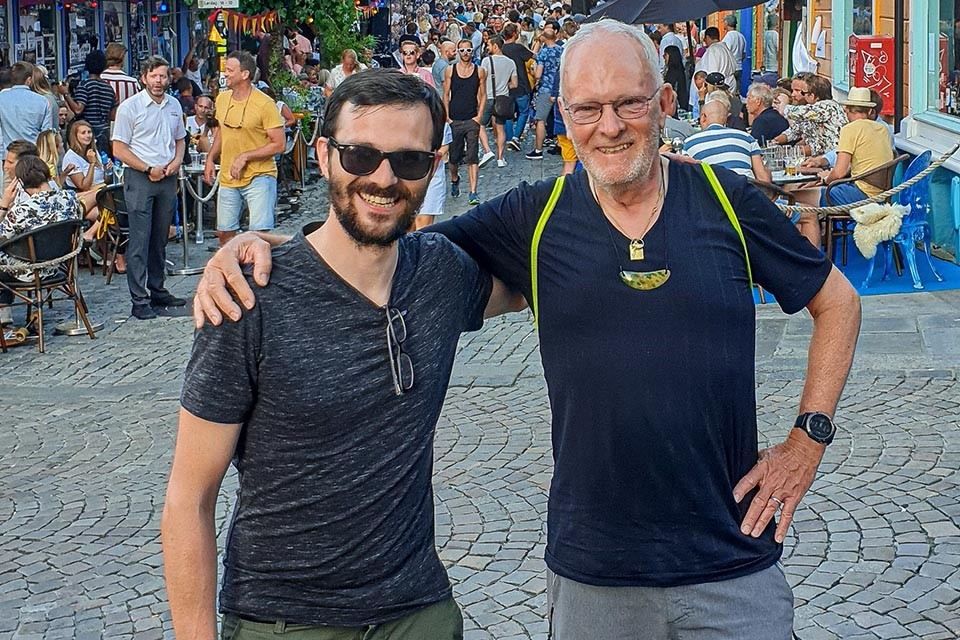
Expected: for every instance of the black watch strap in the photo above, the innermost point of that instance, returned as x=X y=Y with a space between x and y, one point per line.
x=147 y=170
x=818 y=426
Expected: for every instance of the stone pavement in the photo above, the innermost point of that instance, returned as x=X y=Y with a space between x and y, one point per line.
x=87 y=431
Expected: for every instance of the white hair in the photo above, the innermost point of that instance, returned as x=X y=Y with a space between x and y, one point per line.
x=606 y=28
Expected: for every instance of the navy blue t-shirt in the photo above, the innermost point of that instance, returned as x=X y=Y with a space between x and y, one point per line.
x=768 y=125
x=652 y=392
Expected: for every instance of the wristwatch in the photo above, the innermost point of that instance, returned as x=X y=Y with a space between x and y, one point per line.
x=147 y=170
x=817 y=425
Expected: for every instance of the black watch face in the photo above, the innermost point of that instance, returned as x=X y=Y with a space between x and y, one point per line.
x=820 y=426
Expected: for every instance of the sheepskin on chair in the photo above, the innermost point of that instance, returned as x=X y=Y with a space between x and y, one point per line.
x=876 y=223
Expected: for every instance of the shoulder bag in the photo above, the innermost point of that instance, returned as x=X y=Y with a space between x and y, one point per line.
x=503 y=106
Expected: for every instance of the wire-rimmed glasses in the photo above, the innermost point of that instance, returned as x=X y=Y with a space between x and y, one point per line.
x=401 y=367
x=629 y=108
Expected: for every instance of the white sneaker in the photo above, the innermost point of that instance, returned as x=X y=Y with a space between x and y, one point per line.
x=501 y=163
x=487 y=157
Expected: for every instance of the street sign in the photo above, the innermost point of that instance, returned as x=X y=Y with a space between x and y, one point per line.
x=218 y=4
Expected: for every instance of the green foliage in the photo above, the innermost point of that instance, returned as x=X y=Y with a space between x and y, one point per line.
x=333 y=20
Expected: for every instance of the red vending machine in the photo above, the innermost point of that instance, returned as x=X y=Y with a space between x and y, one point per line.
x=871 y=66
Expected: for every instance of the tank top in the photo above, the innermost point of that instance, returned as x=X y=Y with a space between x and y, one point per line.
x=463 y=95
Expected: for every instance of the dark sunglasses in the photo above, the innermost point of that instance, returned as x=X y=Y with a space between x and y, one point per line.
x=361 y=160
x=408 y=53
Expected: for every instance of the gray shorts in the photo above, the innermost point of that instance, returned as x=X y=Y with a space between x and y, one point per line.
x=754 y=607
x=542 y=106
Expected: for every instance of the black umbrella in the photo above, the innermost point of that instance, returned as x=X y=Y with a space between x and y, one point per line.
x=651 y=11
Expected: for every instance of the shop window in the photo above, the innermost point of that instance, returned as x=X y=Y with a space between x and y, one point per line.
x=949 y=90
x=4 y=36
x=37 y=38
x=114 y=22
x=82 y=36
x=863 y=17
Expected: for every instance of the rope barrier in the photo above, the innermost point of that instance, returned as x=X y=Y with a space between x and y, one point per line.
x=880 y=197
x=209 y=196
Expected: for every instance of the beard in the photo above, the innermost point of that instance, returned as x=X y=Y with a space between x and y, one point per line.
x=341 y=197
x=632 y=170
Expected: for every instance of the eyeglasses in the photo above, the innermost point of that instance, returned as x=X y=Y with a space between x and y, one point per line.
x=408 y=53
x=242 y=114
x=361 y=160
x=625 y=108
x=465 y=50
x=401 y=367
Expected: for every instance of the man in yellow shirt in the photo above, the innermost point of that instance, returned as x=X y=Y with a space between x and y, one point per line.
x=250 y=135
x=864 y=145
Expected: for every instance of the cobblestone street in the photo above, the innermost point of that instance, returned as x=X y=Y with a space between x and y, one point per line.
x=87 y=430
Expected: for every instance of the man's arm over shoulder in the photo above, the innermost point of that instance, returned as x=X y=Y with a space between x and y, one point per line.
x=497 y=234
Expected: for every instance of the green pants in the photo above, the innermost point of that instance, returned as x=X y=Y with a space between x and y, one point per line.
x=440 y=621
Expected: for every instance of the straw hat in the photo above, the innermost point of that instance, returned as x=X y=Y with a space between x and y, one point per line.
x=858 y=97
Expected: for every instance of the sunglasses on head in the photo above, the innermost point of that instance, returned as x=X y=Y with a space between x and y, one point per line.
x=361 y=160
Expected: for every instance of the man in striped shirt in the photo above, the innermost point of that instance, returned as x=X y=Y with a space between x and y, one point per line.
x=729 y=148
x=123 y=85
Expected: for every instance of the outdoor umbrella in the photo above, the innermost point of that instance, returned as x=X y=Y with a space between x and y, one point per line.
x=651 y=11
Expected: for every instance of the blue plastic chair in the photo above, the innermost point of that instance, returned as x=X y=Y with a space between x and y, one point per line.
x=914 y=227
x=955 y=209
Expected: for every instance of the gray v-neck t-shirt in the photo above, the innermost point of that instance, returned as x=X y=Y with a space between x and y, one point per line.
x=334 y=520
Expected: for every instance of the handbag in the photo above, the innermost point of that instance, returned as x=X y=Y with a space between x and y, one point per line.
x=504 y=107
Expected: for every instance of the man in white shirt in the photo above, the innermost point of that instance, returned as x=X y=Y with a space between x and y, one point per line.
x=717 y=58
x=149 y=138
x=737 y=44
x=668 y=38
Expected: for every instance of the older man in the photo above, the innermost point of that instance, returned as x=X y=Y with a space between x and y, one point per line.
x=766 y=123
x=661 y=514
x=723 y=146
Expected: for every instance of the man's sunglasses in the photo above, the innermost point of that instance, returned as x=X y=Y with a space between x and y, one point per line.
x=465 y=50
x=361 y=160
x=408 y=53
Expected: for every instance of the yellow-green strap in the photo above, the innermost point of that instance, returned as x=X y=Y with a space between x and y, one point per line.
x=535 y=242
x=728 y=209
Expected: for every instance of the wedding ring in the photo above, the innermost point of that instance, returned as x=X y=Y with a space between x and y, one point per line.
x=778 y=501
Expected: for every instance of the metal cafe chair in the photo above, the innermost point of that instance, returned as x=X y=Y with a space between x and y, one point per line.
x=53 y=246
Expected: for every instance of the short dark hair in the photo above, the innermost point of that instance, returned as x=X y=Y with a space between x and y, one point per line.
x=428 y=57
x=377 y=87
x=5 y=77
x=153 y=63
x=246 y=60
x=496 y=40
x=877 y=101
x=31 y=171
x=509 y=31
x=184 y=84
x=95 y=62
x=21 y=148
x=712 y=32
x=19 y=73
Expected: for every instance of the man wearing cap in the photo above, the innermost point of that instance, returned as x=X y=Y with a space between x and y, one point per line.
x=718 y=58
x=736 y=43
x=864 y=145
